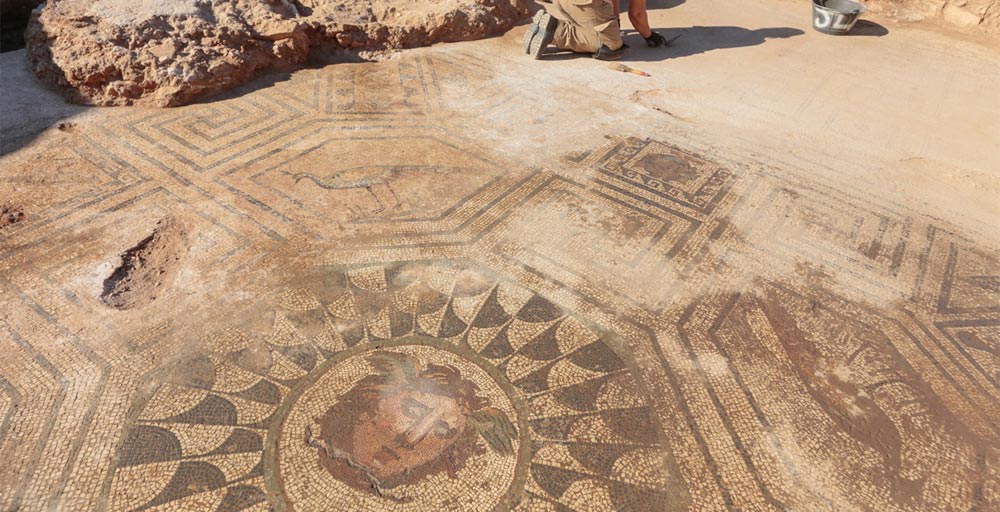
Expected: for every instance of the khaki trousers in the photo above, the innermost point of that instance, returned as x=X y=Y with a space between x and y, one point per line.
x=585 y=25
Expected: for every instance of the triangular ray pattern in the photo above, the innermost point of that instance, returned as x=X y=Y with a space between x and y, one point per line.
x=593 y=437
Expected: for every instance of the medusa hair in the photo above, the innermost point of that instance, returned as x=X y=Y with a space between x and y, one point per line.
x=395 y=373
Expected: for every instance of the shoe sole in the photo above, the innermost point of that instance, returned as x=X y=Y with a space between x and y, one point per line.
x=539 y=34
x=531 y=32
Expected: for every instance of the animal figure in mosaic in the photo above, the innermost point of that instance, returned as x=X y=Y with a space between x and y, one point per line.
x=365 y=177
x=369 y=176
x=846 y=387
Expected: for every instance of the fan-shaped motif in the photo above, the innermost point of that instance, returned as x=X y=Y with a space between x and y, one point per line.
x=589 y=434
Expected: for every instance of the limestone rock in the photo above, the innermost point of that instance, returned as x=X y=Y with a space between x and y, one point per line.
x=170 y=52
x=970 y=16
x=961 y=16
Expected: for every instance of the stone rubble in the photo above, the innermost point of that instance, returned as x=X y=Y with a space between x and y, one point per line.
x=171 y=52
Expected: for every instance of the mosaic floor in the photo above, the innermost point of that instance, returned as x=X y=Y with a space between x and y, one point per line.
x=381 y=309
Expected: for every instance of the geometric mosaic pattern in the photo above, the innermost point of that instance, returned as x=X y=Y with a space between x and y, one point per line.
x=381 y=310
x=669 y=173
x=218 y=428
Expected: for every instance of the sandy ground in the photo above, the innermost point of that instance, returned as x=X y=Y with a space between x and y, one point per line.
x=872 y=111
x=763 y=278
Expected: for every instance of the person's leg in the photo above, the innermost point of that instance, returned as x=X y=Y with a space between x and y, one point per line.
x=585 y=27
x=609 y=31
x=540 y=33
x=575 y=38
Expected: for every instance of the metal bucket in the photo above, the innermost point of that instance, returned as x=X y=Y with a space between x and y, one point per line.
x=836 y=16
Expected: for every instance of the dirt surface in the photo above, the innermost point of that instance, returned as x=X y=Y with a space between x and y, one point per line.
x=148 y=269
x=10 y=214
x=120 y=52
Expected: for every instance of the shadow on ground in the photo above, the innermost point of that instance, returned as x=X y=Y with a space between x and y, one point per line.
x=263 y=81
x=654 y=4
x=689 y=41
x=29 y=107
x=695 y=40
x=868 y=28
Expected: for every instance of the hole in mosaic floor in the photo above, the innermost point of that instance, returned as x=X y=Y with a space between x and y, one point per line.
x=147 y=268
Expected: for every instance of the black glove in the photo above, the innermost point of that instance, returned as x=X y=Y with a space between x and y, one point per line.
x=655 y=40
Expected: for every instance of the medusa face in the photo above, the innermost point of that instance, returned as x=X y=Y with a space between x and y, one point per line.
x=406 y=428
x=408 y=420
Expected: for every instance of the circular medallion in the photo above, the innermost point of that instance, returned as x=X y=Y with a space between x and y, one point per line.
x=399 y=388
x=419 y=426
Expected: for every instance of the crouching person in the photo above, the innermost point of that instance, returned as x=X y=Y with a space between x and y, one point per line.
x=582 y=26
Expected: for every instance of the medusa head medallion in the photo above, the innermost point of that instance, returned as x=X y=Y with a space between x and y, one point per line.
x=413 y=424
